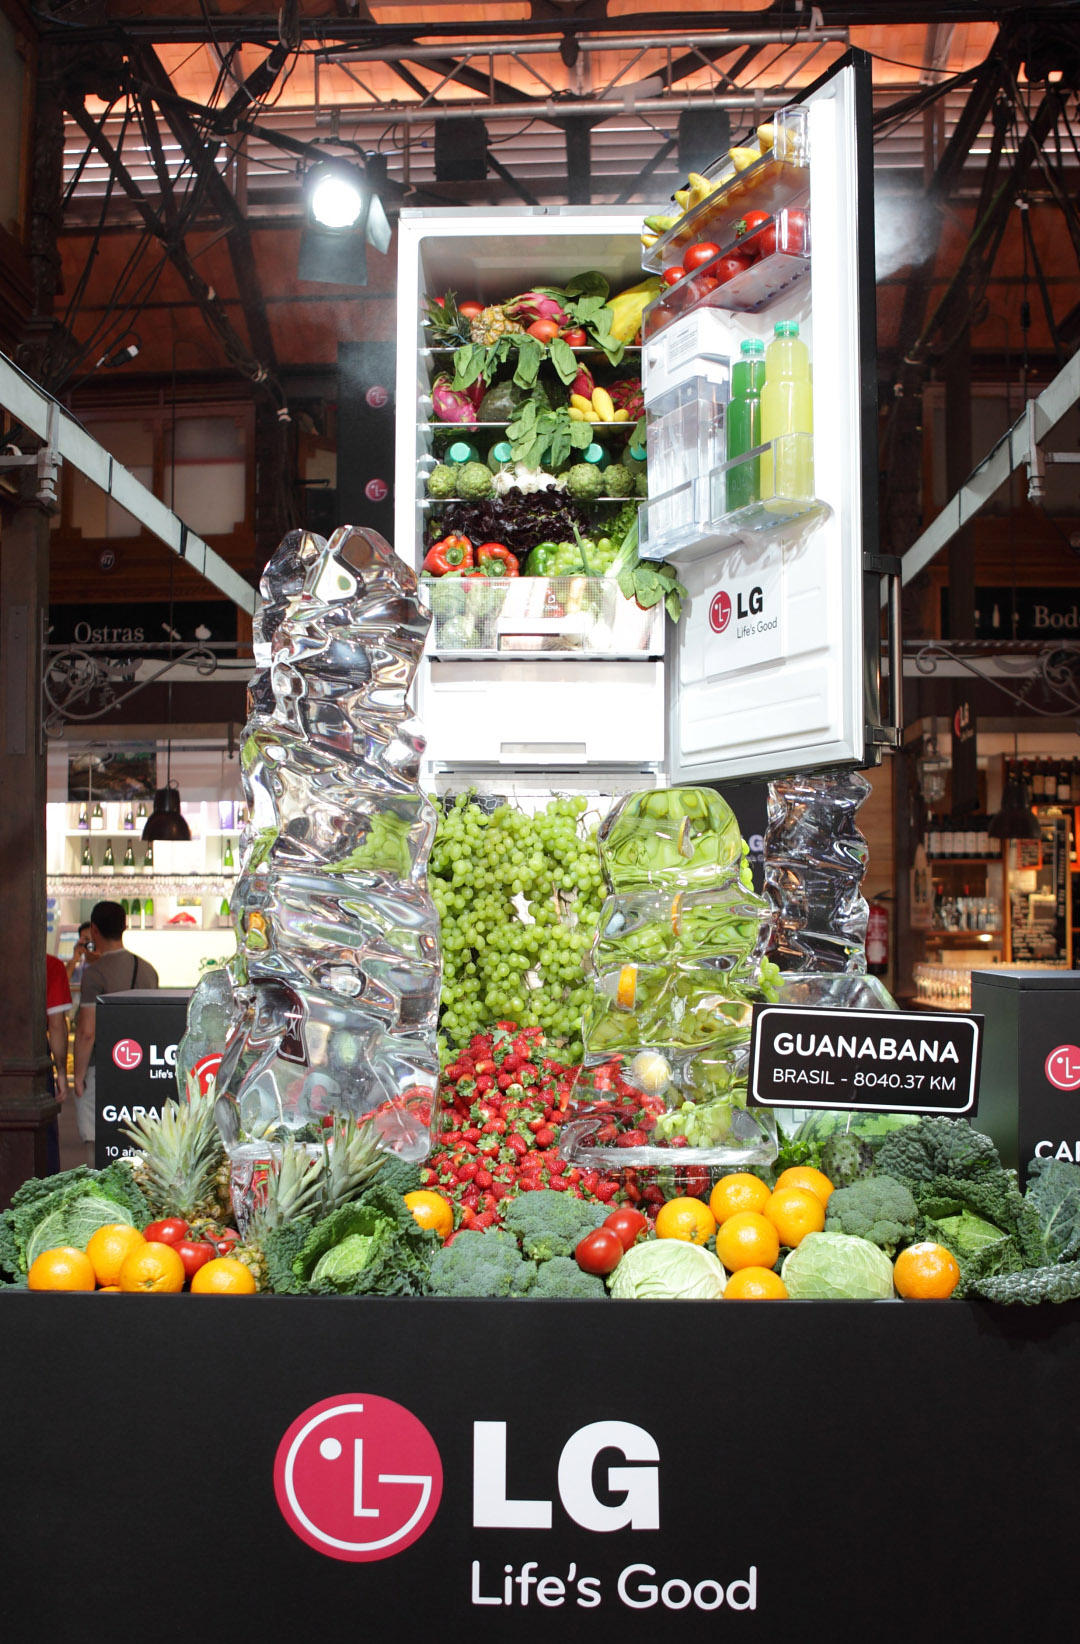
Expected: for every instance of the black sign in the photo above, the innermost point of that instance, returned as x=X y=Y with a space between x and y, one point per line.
x=864 y=1060
x=965 y=768
x=543 y=1503
x=152 y=623
x=1022 y=613
x=135 y=1060
x=1031 y=1075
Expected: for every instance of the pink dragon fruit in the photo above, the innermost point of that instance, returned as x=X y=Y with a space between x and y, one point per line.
x=534 y=305
x=626 y=395
x=583 y=383
x=451 y=404
x=477 y=391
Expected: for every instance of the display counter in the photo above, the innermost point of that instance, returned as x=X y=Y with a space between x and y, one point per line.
x=841 y=1470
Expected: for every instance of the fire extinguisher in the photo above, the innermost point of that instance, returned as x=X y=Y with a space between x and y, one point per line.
x=877 y=939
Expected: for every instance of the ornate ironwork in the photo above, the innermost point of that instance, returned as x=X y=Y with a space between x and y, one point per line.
x=81 y=683
x=1054 y=667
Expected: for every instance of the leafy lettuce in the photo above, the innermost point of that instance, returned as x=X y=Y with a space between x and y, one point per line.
x=373 y=1247
x=67 y=1209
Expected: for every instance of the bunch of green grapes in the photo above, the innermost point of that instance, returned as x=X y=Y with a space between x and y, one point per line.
x=519 y=897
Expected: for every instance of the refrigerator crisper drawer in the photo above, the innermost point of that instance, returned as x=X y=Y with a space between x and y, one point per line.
x=544 y=714
x=540 y=616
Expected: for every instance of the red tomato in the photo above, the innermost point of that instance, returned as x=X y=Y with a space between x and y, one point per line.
x=600 y=1252
x=626 y=1224
x=470 y=310
x=704 y=283
x=169 y=1231
x=736 y=262
x=794 y=238
x=671 y=276
x=749 y=223
x=544 y=331
x=575 y=337
x=193 y=1253
x=765 y=242
x=698 y=254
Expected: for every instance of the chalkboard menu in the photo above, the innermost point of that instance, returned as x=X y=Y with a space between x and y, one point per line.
x=1038 y=917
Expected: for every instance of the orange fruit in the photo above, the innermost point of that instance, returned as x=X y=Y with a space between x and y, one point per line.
x=755 y=1284
x=431 y=1210
x=795 y=1212
x=224 y=1276
x=687 y=1219
x=805 y=1176
x=108 y=1248
x=103 y=1289
x=151 y=1266
x=926 y=1272
x=64 y=1268
x=735 y=1193
x=747 y=1240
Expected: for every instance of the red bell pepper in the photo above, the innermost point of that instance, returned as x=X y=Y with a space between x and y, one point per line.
x=496 y=560
x=453 y=553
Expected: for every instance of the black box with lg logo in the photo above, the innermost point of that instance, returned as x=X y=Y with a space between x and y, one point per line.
x=135 y=1057
x=1029 y=1099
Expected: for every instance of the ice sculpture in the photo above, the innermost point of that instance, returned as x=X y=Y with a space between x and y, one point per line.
x=678 y=963
x=335 y=986
x=815 y=859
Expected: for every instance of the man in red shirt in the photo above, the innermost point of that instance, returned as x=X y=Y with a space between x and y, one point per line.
x=57 y=1005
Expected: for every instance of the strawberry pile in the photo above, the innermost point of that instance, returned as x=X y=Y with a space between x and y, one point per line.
x=503 y=1103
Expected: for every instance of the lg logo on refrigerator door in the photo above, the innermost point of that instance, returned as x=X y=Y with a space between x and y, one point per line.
x=358 y=1478
x=720 y=612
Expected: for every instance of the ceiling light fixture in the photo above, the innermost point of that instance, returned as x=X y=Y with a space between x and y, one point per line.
x=336 y=194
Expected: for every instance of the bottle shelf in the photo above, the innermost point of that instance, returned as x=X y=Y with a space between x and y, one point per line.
x=746 y=293
x=965 y=938
x=692 y=519
x=771 y=184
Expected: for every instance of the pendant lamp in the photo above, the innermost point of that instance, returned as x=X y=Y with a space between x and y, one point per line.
x=1015 y=819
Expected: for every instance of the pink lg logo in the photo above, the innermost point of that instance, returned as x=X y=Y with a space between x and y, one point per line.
x=720 y=612
x=1063 y=1067
x=358 y=1477
x=127 y=1054
x=377 y=397
x=376 y=490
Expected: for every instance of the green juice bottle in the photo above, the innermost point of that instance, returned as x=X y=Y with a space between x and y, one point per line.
x=787 y=407
x=744 y=423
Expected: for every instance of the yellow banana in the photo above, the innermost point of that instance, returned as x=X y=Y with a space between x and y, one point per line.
x=743 y=157
x=621 y=415
x=576 y=415
x=649 y=239
x=766 y=136
x=628 y=306
x=603 y=405
x=580 y=403
x=682 y=198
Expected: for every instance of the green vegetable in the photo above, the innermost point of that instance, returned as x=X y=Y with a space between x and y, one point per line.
x=474 y=481
x=1036 y=1284
x=878 y=1208
x=965 y=1234
x=442 y=481
x=585 y=482
x=845 y=1159
x=481 y=1264
x=668 y=1270
x=938 y=1147
x=618 y=480
x=561 y=1279
x=68 y=1209
x=391 y=1260
x=549 y=1223
x=280 y=1247
x=1053 y=1192
x=865 y=1127
x=837 y=1267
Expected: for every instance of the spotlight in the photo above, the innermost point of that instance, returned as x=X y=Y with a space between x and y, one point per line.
x=336 y=194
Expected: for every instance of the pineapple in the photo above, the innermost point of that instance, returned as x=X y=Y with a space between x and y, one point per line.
x=183 y=1162
x=491 y=324
x=302 y=1183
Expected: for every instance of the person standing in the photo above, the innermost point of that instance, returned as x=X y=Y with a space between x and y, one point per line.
x=81 y=957
x=113 y=970
x=57 y=1005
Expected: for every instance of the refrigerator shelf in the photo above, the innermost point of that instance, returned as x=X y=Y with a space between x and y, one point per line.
x=528 y=618
x=694 y=519
x=445 y=502
x=463 y=427
x=753 y=289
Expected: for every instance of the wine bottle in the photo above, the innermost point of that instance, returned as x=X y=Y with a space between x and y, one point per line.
x=148 y=859
x=227 y=859
x=135 y=909
x=148 y=910
x=1064 y=785
x=87 y=863
x=84 y=820
x=129 y=819
x=141 y=812
x=108 y=861
x=97 y=816
x=129 y=858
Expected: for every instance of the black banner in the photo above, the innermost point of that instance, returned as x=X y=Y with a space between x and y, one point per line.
x=569 y=1469
x=135 y=1061
x=148 y=623
x=965 y=766
x=864 y=1060
x=1022 y=613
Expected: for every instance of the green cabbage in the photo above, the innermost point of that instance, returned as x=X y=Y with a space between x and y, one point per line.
x=668 y=1270
x=837 y=1267
x=342 y=1262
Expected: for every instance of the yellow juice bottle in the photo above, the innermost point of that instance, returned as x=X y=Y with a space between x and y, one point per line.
x=787 y=408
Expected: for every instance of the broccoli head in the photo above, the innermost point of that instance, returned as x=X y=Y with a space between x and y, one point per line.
x=938 y=1147
x=878 y=1208
x=480 y=1264
x=561 y=1279
x=844 y=1159
x=550 y=1223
